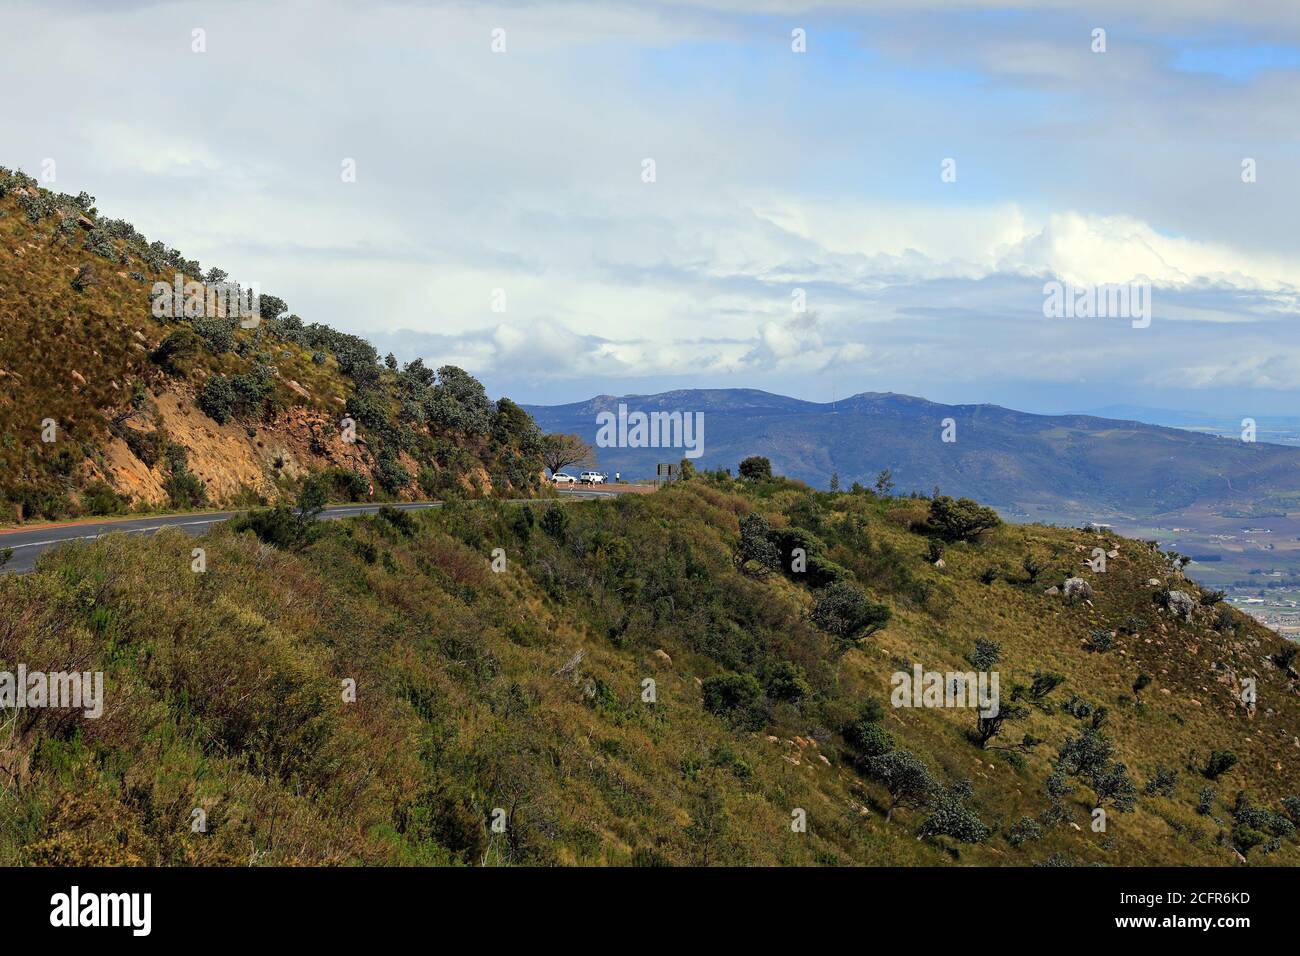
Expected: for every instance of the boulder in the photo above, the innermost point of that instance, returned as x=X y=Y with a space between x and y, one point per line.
x=1181 y=604
x=1077 y=589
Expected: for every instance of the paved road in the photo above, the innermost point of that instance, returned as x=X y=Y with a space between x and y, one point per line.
x=29 y=545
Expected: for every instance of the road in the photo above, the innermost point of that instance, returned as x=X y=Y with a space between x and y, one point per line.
x=29 y=545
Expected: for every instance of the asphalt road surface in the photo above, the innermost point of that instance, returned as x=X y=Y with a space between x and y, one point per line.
x=29 y=545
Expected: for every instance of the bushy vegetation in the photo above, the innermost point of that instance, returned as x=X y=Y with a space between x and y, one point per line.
x=370 y=691
x=82 y=340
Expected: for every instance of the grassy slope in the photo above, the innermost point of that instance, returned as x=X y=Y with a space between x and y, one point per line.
x=104 y=334
x=78 y=357
x=224 y=694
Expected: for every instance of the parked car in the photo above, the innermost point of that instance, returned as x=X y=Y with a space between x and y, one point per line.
x=592 y=478
x=560 y=478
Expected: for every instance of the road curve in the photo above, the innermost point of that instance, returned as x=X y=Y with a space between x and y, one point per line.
x=29 y=545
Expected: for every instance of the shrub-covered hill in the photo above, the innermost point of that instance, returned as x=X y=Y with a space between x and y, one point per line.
x=645 y=681
x=149 y=410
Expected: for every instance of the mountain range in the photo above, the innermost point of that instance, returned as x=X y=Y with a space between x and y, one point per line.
x=1024 y=464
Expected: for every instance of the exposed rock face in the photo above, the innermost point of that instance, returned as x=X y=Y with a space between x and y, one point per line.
x=1077 y=589
x=1181 y=604
x=228 y=459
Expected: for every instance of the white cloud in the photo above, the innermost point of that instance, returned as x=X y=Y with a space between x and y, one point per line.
x=521 y=172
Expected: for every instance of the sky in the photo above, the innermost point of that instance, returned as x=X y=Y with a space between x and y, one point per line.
x=880 y=210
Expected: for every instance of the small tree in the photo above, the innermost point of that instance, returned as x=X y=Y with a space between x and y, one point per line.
x=884 y=482
x=756 y=468
x=835 y=481
x=1205 y=801
x=961 y=519
x=1033 y=568
x=788 y=682
x=1163 y=783
x=865 y=734
x=560 y=451
x=908 y=781
x=988 y=727
x=312 y=498
x=756 y=554
x=843 y=610
x=951 y=817
x=986 y=654
x=1219 y=763
x=1023 y=831
x=1043 y=684
x=1086 y=754
x=555 y=522
x=736 y=697
x=1111 y=784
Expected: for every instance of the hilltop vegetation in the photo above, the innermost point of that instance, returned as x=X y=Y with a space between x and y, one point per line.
x=674 y=678
x=108 y=403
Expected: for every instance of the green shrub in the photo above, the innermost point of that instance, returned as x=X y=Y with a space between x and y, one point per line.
x=100 y=499
x=962 y=519
x=217 y=399
x=175 y=349
x=1162 y=783
x=216 y=333
x=555 y=522
x=185 y=490
x=1219 y=763
x=281 y=526
x=400 y=520
x=844 y=611
x=788 y=682
x=736 y=697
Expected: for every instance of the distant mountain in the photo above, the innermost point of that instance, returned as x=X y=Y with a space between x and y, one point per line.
x=1066 y=464
x=1275 y=429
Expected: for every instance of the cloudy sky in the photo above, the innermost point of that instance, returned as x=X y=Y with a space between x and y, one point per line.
x=501 y=218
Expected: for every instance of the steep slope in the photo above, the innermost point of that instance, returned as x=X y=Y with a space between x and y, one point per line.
x=107 y=402
x=652 y=680
x=1061 y=463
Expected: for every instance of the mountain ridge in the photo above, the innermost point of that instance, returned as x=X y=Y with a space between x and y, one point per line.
x=904 y=433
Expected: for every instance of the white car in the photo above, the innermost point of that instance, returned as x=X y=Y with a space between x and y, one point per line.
x=560 y=478
x=592 y=478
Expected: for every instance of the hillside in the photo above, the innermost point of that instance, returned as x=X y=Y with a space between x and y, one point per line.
x=1050 y=465
x=106 y=405
x=650 y=681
